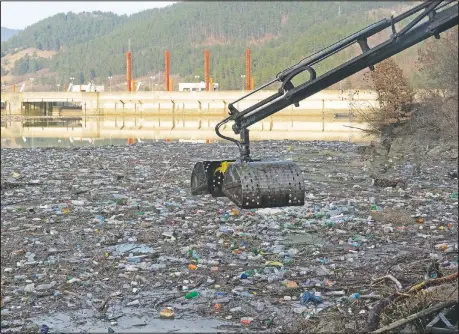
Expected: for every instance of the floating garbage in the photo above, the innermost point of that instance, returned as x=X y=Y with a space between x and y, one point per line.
x=117 y=229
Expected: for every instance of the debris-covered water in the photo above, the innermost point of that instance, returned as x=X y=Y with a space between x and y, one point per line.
x=109 y=239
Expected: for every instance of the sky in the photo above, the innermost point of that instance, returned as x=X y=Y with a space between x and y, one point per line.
x=19 y=14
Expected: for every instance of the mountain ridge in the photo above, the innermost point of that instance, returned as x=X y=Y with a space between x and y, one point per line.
x=92 y=46
x=7 y=33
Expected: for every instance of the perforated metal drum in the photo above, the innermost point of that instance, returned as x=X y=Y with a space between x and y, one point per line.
x=264 y=184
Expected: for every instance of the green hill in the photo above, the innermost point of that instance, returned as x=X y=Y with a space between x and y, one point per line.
x=64 y=30
x=93 y=45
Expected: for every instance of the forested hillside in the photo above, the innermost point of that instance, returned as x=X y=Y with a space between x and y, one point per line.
x=92 y=46
x=64 y=29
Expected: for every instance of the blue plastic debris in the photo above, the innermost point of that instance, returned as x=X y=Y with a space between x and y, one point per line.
x=44 y=329
x=99 y=219
x=308 y=296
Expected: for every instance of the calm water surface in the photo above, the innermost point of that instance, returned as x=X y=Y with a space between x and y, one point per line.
x=75 y=130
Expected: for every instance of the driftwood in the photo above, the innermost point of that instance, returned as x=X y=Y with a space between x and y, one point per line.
x=434 y=282
x=415 y=316
x=355 y=127
x=373 y=316
x=392 y=278
x=101 y=308
x=370 y=297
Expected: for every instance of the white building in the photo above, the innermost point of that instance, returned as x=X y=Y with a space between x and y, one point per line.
x=195 y=86
x=85 y=88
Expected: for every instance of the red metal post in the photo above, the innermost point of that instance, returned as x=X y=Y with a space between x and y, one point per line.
x=128 y=70
x=247 y=69
x=167 y=69
x=206 y=69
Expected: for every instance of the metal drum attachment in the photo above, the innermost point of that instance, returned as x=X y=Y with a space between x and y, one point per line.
x=264 y=184
x=207 y=177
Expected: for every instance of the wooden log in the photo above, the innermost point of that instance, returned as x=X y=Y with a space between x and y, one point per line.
x=415 y=316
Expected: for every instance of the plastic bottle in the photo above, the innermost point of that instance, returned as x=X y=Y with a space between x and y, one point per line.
x=354 y=297
x=167 y=313
x=335 y=293
x=277 y=275
x=226 y=230
x=246 y=320
x=192 y=294
x=409 y=168
x=260 y=306
x=245 y=294
x=250 y=272
x=99 y=219
x=272 y=278
x=195 y=255
x=287 y=259
x=292 y=252
x=206 y=293
x=338 y=219
x=158 y=266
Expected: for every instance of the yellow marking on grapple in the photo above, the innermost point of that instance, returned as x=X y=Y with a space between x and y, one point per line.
x=223 y=167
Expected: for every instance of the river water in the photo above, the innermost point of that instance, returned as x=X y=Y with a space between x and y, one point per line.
x=78 y=130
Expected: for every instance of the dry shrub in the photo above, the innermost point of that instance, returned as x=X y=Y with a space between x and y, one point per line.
x=437 y=116
x=395 y=98
x=437 y=61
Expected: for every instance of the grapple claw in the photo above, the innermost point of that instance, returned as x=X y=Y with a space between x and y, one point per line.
x=207 y=177
x=264 y=184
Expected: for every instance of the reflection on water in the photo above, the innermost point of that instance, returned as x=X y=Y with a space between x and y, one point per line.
x=78 y=130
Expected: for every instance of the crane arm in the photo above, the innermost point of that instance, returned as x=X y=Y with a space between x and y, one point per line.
x=441 y=16
x=262 y=184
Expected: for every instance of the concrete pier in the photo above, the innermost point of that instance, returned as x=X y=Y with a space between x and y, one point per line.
x=328 y=115
x=152 y=103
